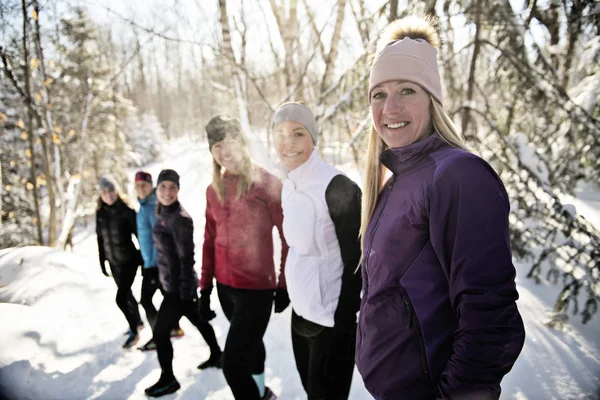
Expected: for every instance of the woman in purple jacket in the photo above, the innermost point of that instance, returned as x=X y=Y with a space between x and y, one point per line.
x=173 y=237
x=438 y=317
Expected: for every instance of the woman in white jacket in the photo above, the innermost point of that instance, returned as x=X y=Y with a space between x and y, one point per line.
x=321 y=208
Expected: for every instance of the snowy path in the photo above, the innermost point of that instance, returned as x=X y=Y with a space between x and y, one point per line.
x=62 y=332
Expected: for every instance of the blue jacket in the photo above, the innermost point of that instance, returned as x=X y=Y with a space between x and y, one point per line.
x=438 y=318
x=146 y=218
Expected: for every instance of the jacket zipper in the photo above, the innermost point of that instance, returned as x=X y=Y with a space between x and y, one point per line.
x=413 y=324
x=389 y=187
x=110 y=241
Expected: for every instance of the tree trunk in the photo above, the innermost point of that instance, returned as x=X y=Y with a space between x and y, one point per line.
x=333 y=49
x=233 y=71
x=393 y=10
x=28 y=102
x=449 y=64
x=48 y=114
x=466 y=117
x=573 y=31
x=30 y=128
x=71 y=209
x=288 y=30
x=315 y=29
x=359 y=17
x=52 y=222
x=550 y=19
x=243 y=78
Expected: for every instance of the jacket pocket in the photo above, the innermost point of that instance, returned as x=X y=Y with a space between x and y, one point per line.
x=359 y=337
x=390 y=353
x=413 y=325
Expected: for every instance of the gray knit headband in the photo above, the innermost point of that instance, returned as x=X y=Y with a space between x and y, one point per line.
x=298 y=113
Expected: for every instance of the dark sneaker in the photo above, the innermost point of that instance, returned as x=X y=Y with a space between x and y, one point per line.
x=269 y=395
x=151 y=345
x=162 y=387
x=140 y=326
x=131 y=340
x=215 y=361
x=178 y=332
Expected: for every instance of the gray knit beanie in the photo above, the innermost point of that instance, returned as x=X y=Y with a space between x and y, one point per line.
x=299 y=113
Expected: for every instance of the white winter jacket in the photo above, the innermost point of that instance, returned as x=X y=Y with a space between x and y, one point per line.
x=314 y=266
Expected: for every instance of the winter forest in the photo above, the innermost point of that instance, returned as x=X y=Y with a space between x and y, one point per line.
x=95 y=87
x=89 y=87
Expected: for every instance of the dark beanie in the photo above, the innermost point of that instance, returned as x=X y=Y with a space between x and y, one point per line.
x=219 y=126
x=168 y=175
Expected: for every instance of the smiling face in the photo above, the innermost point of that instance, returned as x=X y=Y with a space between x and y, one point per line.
x=401 y=112
x=109 y=196
x=166 y=192
x=143 y=189
x=293 y=144
x=228 y=154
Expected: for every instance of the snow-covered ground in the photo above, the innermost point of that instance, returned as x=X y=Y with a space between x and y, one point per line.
x=61 y=331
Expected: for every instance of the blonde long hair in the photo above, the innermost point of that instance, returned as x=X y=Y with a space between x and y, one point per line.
x=245 y=176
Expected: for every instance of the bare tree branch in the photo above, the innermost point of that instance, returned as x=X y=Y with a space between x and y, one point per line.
x=331 y=57
x=313 y=25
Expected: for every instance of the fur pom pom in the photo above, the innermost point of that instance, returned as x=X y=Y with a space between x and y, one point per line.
x=412 y=27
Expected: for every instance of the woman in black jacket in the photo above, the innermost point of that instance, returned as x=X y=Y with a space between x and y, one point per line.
x=115 y=223
x=173 y=238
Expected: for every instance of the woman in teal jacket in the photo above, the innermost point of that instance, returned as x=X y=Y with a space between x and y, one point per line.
x=146 y=218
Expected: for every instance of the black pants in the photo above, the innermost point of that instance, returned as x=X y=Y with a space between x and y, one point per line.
x=248 y=311
x=171 y=310
x=124 y=275
x=150 y=284
x=325 y=362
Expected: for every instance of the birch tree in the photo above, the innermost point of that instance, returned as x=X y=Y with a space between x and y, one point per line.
x=32 y=184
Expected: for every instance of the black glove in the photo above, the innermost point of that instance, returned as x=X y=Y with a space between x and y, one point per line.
x=103 y=268
x=282 y=300
x=205 y=310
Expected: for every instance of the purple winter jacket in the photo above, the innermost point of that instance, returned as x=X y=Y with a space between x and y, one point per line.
x=438 y=318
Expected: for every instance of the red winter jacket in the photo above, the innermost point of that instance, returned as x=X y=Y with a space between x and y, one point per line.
x=238 y=237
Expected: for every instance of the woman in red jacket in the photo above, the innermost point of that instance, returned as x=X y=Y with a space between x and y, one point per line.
x=242 y=207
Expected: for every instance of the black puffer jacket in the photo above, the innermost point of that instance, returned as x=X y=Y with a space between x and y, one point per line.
x=173 y=236
x=114 y=226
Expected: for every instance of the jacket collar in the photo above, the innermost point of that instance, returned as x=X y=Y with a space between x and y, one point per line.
x=306 y=170
x=151 y=199
x=401 y=159
x=115 y=206
x=171 y=208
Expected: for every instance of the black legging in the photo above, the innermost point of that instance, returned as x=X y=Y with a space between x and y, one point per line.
x=150 y=284
x=248 y=311
x=171 y=310
x=124 y=275
x=325 y=362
